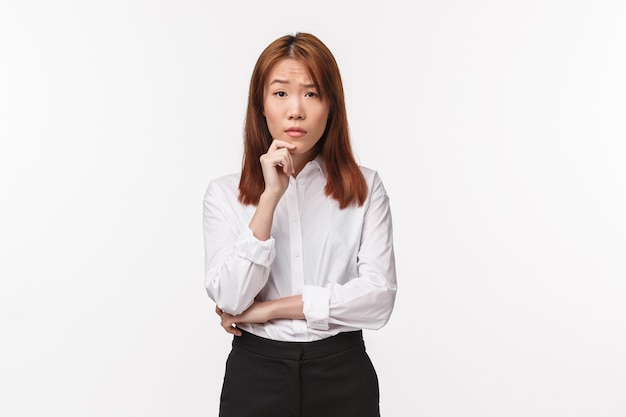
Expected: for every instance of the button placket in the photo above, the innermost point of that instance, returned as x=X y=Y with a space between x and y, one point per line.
x=295 y=239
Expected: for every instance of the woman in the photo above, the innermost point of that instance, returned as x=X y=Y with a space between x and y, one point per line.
x=299 y=248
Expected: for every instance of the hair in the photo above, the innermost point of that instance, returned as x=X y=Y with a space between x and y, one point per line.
x=345 y=182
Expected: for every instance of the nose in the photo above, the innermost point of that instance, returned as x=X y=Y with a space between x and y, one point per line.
x=296 y=111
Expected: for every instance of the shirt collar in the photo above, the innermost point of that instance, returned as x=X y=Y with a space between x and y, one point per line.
x=319 y=163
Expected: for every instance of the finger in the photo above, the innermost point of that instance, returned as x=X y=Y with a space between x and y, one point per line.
x=285 y=167
x=285 y=162
x=278 y=144
x=228 y=322
x=231 y=328
x=281 y=161
x=292 y=169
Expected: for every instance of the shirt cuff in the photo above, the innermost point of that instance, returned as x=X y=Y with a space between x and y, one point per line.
x=257 y=251
x=316 y=306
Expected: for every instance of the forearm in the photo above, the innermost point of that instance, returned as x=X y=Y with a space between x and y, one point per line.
x=261 y=222
x=287 y=308
x=263 y=311
x=282 y=308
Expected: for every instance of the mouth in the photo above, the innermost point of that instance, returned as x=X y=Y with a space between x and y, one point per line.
x=295 y=132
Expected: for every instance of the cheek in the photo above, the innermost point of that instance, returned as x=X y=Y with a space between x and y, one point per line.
x=270 y=113
x=323 y=120
x=269 y=117
x=272 y=125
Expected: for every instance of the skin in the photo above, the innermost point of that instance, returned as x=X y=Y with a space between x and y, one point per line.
x=290 y=101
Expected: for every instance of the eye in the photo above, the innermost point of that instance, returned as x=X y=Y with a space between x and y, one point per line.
x=280 y=94
x=311 y=94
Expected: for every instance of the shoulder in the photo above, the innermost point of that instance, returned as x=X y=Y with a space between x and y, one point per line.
x=374 y=182
x=368 y=173
x=224 y=187
x=372 y=177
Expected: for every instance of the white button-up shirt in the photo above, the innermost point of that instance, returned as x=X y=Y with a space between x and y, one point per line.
x=341 y=261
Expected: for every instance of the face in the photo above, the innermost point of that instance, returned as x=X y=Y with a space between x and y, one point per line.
x=293 y=108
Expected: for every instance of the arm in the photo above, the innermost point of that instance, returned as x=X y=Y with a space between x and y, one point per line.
x=237 y=265
x=366 y=300
x=238 y=258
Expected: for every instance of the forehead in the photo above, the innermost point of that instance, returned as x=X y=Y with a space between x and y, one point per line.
x=289 y=69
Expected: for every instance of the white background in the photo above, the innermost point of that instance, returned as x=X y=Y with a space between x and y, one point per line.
x=498 y=127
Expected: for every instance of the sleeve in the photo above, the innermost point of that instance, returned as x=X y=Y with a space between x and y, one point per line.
x=367 y=300
x=237 y=265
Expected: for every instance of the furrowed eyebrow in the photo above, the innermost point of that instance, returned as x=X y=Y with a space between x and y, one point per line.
x=277 y=81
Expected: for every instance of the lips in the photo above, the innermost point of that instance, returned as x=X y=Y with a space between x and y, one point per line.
x=295 y=132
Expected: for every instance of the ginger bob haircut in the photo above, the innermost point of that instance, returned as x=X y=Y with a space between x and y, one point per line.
x=345 y=182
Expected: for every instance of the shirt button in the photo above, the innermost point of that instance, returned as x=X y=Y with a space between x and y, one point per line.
x=297 y=254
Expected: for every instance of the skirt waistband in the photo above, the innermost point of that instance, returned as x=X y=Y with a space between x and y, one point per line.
x=298 y=350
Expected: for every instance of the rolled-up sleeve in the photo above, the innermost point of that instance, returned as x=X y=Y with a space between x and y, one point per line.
x=316 y=306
